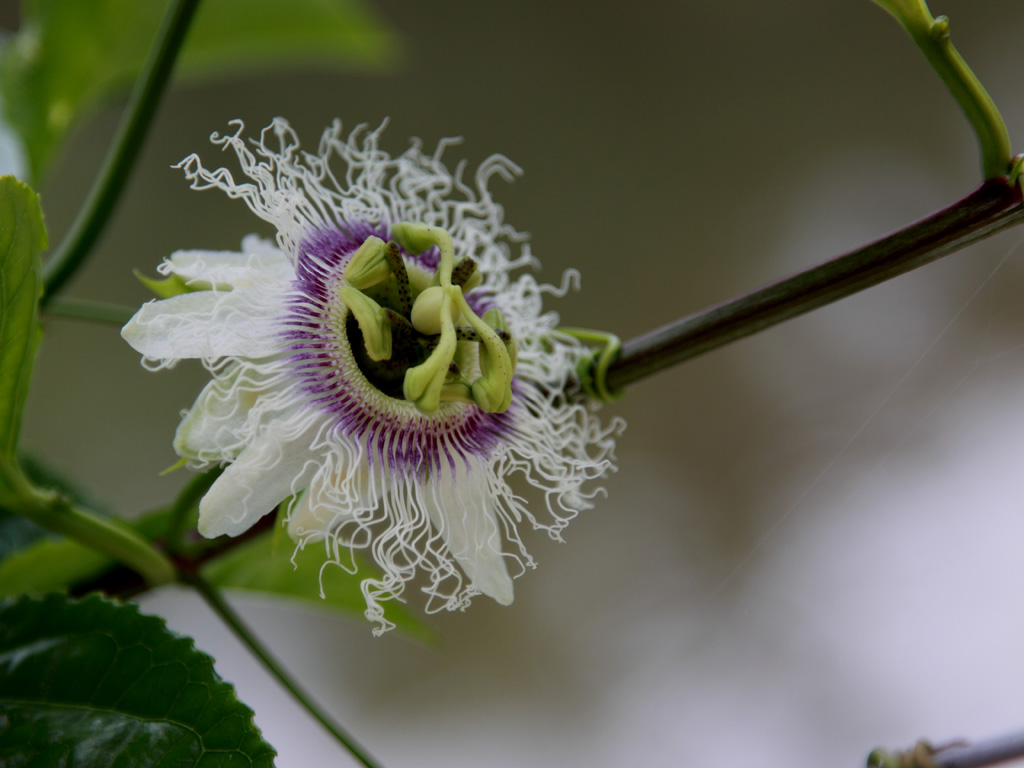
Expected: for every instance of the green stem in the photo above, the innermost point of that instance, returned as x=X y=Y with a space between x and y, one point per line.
x=932 y=36
x=110 y=537
x=87 y=309
x=228 y=615
x=107 y=188
x=994 y=206
x=969 y=93
x=189 y=497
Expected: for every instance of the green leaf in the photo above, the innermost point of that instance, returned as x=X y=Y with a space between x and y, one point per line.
x=67 y=56
x=94 y=684
x=34 y=561
x=50 y=565
x=22 y=239
x=262 y=566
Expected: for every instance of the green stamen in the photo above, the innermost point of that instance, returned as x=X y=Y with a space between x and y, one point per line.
x=373 y=322
x=423 y=384
x=419 y=336
x=369 y=265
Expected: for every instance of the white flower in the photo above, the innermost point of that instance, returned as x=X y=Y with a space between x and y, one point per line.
x=384 y=408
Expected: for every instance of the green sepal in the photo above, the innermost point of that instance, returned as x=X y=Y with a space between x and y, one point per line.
x=170 y=286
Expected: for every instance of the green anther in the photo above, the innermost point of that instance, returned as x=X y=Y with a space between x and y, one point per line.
x=413 y=236
x=373 y=322
x=423 y=384
x=417 y=238
x=369 y=264
x=496 y=320
x=492 y=392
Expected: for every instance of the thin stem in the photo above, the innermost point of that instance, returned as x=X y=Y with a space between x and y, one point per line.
x=994 y=206
x=87 y=309
x=228 y=615
x=189 y=497
x=932 y=36
x=56 y=513
x=107 y=188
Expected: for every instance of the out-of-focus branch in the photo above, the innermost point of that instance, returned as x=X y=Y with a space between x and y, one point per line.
x=994 y=206
x=960 y=754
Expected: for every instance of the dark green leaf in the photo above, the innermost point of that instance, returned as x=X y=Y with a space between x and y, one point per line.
x=94 y=684
x=263 y=565
x=22 y=239
x=69 y=55
x=34 y=561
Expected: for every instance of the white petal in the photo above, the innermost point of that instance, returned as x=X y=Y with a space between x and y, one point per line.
x=333 y=497
x=462 y=511
x=214 y=429
x=278 y=463
x=259 y=261
x=239 y=323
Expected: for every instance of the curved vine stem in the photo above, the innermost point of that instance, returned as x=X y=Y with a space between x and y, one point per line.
x=131 y=134
x=228 y=615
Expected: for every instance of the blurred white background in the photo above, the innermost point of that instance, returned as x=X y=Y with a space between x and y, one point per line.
x=812 y=545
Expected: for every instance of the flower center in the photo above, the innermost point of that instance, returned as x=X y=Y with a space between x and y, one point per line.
x=416 y=337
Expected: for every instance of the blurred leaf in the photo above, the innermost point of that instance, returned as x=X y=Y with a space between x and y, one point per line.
x=36 y=562
x=50 y=565
x=247 y=35
x=22 y=239
x=260 y=566
x=16 y=533
x=93 y=684
x=69 y=55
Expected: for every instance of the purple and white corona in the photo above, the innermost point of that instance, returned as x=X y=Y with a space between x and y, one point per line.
x=378 y=368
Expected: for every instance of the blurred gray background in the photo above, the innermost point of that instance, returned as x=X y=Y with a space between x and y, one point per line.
x=812 y=545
